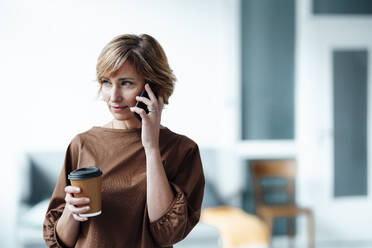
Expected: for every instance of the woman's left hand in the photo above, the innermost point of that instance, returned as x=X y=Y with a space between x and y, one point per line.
x=150 y=121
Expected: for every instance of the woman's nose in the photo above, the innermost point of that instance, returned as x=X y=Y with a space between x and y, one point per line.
x=116 y=94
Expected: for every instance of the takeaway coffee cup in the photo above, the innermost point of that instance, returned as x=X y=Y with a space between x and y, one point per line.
x=89 y=180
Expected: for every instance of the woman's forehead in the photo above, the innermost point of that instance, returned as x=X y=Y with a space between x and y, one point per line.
x=126 y=70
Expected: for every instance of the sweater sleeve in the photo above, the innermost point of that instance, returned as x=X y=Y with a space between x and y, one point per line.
x=57 y=202
x=184 y=212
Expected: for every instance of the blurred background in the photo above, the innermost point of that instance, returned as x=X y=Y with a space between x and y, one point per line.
x=257 y=80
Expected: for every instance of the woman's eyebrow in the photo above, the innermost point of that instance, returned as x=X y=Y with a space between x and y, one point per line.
x=120 y=79
x=126 y=78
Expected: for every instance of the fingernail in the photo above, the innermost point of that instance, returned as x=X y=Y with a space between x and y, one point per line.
x=77 y=190
x=86 y=200
x=87 y=207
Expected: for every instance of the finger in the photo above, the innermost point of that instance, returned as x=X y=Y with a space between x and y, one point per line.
x=72 y=189
x=68 y=197
x=144 y=100
x=76 y=210
x=79 y=218
x=139 y=111
x=77 y=201
x=150 y=93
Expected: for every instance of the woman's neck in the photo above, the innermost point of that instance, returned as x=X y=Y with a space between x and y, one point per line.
x=125 y=124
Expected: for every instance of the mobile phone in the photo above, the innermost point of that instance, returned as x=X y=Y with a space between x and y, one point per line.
x=143 y=105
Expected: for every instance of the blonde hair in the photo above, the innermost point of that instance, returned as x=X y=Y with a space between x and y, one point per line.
x=145 y=54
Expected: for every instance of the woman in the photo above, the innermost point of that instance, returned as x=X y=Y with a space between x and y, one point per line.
x=153 y=182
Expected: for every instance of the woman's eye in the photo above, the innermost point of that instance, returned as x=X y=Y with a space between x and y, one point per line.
x=105 y=82
x=126 y=83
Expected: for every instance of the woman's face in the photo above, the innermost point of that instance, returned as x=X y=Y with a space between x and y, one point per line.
x=119 y=91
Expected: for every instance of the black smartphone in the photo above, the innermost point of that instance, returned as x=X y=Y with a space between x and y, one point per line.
x=143 y=105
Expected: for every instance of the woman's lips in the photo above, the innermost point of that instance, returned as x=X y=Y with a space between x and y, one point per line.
x=118 y=109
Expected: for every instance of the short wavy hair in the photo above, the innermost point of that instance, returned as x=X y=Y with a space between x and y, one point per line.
x=145 y=54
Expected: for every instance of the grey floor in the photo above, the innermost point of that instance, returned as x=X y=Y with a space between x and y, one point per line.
x=275 y=245
x=282 y=243
x=285 y=243
x=279 y=242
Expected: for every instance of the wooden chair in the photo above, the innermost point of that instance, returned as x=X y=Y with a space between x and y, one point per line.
x=237 y=228
x=284 y=169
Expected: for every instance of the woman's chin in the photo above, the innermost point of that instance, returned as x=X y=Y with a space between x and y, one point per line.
x=123 y=117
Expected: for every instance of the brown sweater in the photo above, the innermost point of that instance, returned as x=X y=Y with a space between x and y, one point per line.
x=124 y=221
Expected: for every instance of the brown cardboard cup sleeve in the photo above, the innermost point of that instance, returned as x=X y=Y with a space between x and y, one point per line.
x=89 y=180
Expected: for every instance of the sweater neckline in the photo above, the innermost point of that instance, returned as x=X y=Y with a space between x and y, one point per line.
x=116 y=130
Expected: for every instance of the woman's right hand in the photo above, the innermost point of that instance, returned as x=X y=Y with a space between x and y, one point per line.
x=74 y=205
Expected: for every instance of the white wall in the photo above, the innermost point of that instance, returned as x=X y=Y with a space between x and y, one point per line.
x=343 y=218
x=48 y=54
